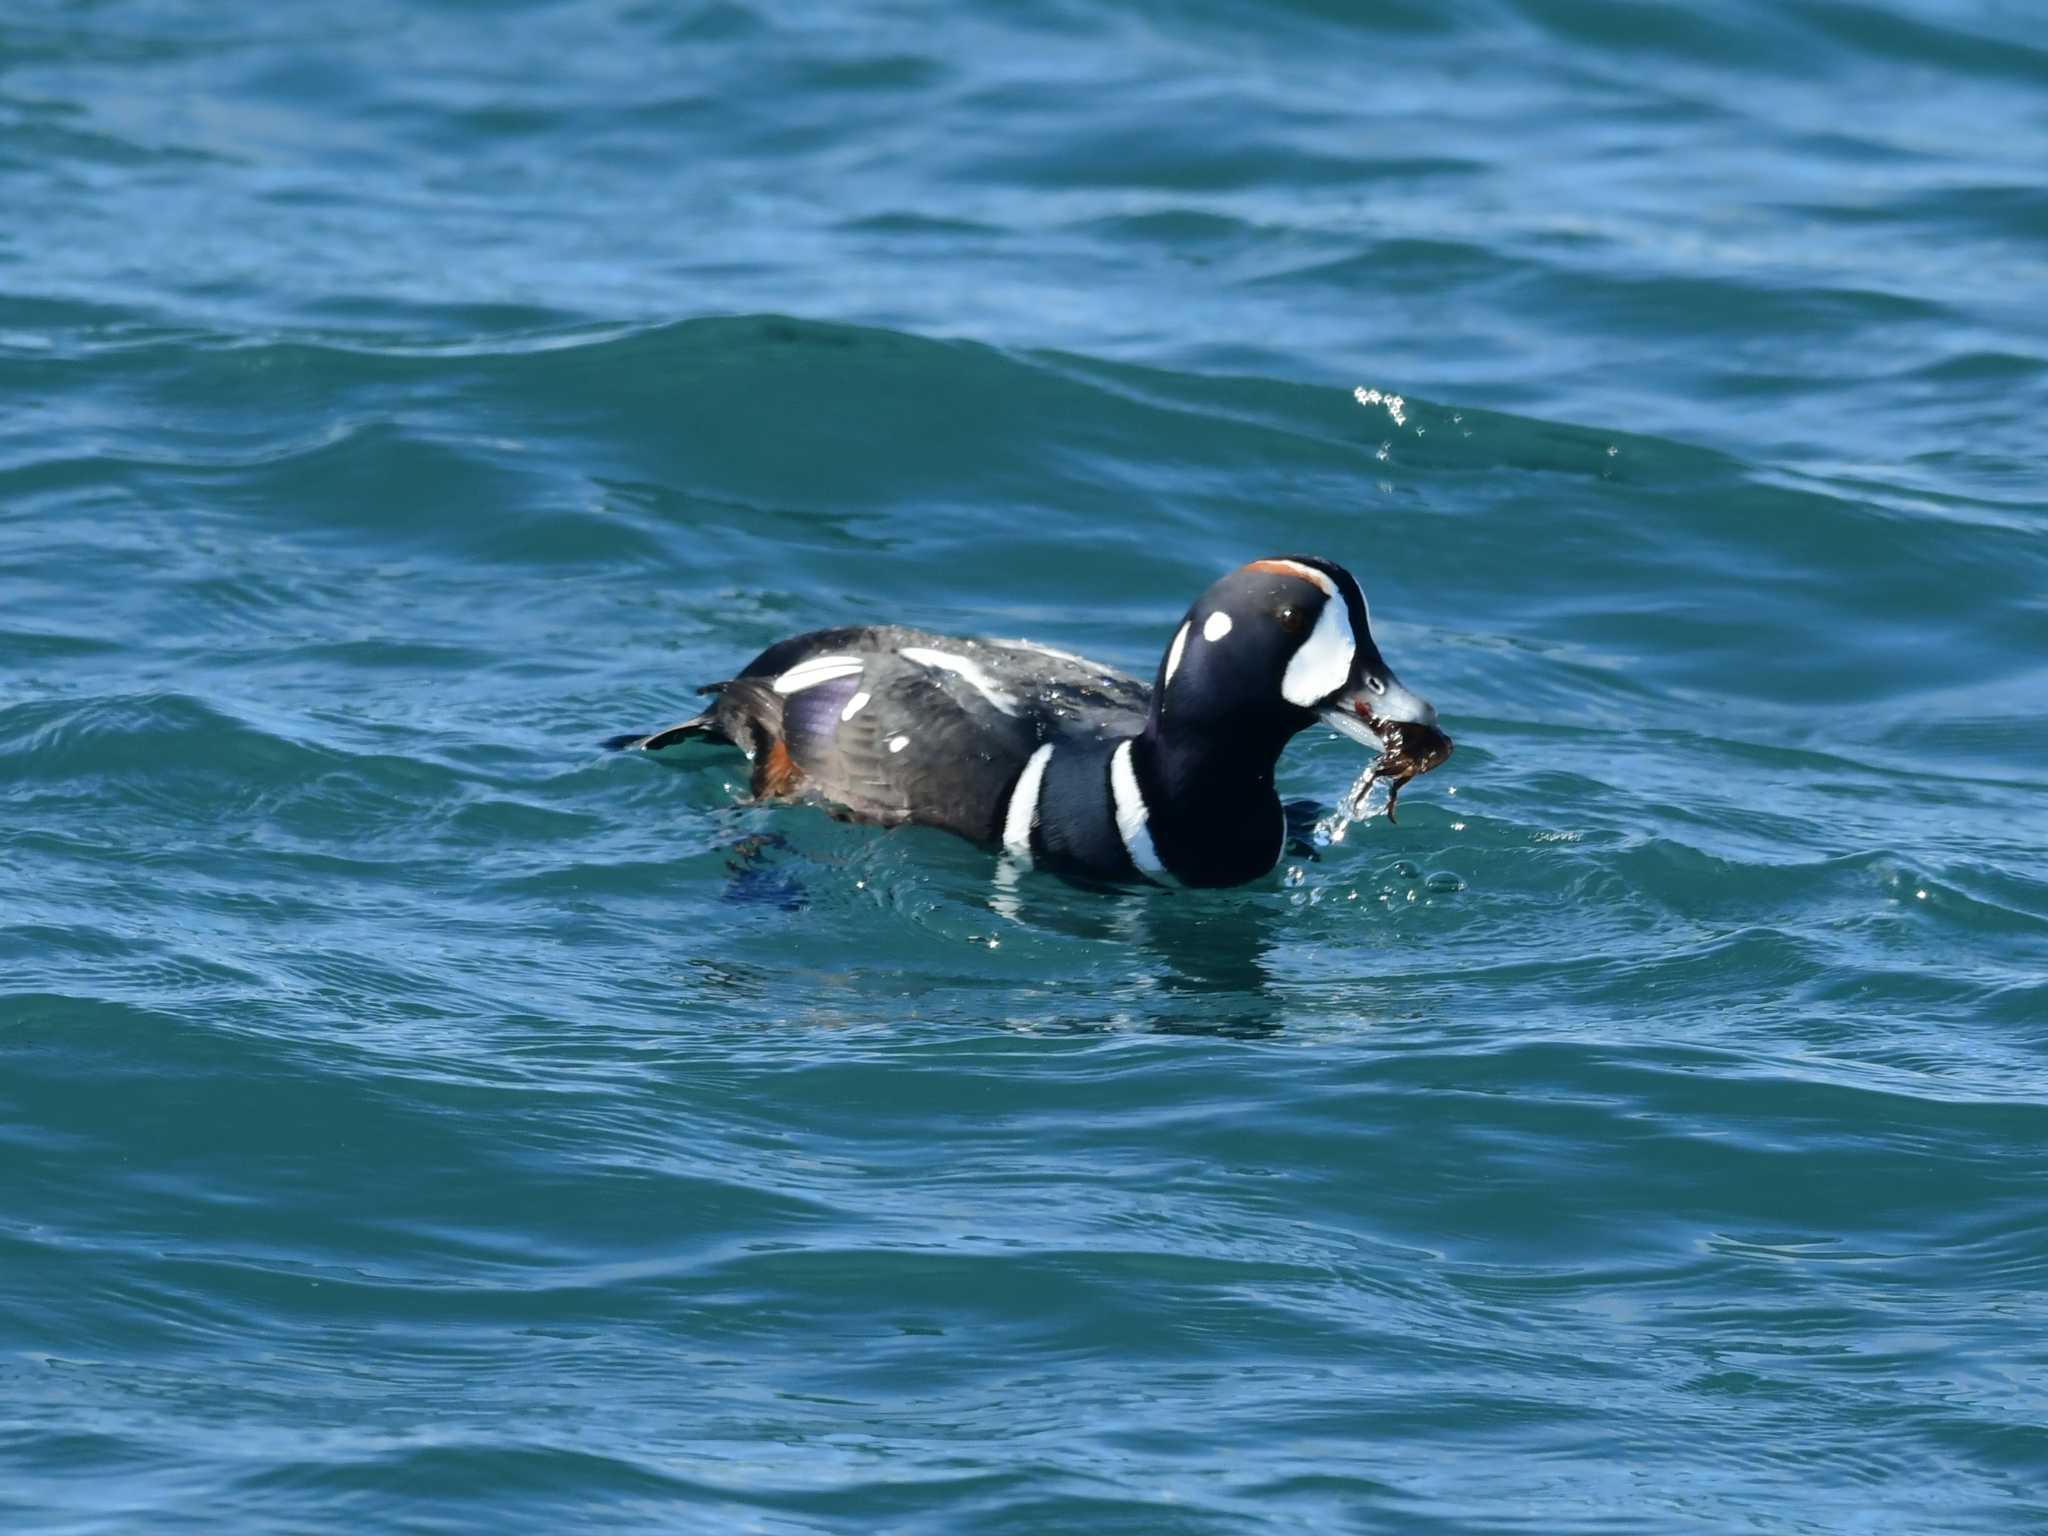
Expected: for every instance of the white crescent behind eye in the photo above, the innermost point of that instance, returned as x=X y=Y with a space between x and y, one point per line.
x=1322 y=663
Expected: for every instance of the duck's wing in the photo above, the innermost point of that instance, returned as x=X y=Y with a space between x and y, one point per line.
x=1065 y=695
x=895 y=725
x=887 y=724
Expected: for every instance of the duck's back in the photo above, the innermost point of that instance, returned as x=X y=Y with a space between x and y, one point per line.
x=898 y=725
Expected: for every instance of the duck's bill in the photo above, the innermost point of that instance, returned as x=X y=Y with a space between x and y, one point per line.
x=1399 y=725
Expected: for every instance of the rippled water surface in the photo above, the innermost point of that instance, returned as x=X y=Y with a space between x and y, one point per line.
x=414 y=1119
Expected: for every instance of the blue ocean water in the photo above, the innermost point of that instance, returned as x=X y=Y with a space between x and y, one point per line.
x=414 y=1119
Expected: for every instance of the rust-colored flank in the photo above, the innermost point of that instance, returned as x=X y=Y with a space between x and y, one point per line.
x=776 y=774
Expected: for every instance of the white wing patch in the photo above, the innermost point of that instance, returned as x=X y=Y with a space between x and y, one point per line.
x=1131 y=816
x=1022 y=814
x=1322 y=663
x=819 y=669
x=968 y=671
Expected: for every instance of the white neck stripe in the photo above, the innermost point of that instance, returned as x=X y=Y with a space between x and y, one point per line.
x=1180 y=642
x=1132 y=815
x=1022 y=815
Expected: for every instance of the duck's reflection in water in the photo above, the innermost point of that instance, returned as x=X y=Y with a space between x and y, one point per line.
x=1212 y=975
x=1196 y=960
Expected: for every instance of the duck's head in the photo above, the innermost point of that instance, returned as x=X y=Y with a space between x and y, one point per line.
x=1275 y=646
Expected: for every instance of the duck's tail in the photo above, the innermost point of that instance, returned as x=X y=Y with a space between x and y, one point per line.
x=704 y=724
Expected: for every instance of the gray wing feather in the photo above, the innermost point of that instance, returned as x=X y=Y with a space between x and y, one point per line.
x=922 y=741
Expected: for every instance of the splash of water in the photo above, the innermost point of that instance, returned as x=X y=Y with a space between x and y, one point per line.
x=1370 y=796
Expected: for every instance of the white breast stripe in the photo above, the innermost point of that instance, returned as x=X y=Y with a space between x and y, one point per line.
x=1180 y=641
x=819 y=669
x=961 y=667
x=1307 y=573
x=1022 y=815
x=1322 y=664
x=1131 y=816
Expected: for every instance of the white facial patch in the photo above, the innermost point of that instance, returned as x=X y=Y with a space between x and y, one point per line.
x=1322 y=663
x=1022 y=814
x=1132 y=814
x=1180 y=643
x=1216 y=626
x=968 y=671
x=854 y=706
x=819 y=669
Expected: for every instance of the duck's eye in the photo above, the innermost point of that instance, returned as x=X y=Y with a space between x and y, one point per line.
x=1292 y=619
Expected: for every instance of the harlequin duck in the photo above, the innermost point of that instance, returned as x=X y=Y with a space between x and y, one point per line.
x=1064 y=763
